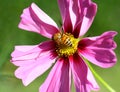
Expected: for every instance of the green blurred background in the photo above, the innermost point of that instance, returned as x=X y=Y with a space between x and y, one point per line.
x=107 y=18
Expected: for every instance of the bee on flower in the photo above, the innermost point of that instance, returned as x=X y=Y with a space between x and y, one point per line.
x=66 y=48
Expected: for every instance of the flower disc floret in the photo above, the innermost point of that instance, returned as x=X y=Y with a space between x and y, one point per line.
x=66 y=44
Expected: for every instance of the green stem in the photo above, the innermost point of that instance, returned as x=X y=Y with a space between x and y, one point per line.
x=100 y=79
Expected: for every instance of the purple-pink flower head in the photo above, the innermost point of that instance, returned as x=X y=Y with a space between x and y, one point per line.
x=66 y=49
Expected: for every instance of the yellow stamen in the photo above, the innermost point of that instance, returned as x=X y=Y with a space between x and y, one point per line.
x=66 y=44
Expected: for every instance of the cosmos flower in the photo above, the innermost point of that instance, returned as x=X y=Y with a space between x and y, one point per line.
x=66 y=49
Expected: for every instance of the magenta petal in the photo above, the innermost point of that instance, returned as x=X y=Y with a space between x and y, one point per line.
x=77 y=15
x=99 y=50
x=33 y=68
x=89 y=13
x=65 y=13
x=31 y=52
x=33 y=61
x=70 y=11
x=82 y=76
x=62 y=6
x=59 y=78
x=34 y=19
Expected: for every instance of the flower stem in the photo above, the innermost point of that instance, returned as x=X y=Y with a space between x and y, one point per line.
x=100 y=79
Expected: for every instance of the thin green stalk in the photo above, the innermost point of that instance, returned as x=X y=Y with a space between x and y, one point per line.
x=100 y=79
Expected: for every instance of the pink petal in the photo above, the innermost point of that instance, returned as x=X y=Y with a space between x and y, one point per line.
x=70 y=10
x=59 y=78
x=34 y=68
x=33 y=61
x=34 y=19
x=77 y=15
x=65 y=13
x=82 y=76
x=89 y=13
x=31 y=52
x=99 y=50
x=62 y=6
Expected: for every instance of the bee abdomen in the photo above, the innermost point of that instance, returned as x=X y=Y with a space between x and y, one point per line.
x=62 y=39
x=68 y=42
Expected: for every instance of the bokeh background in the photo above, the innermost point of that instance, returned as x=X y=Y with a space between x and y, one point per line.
x=107 y=18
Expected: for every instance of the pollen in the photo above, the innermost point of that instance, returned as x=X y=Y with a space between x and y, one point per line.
x=66 y=44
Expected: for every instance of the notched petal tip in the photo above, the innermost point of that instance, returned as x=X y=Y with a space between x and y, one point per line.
x=109 y=39
x=91 y=10
x=25 y=83
x=100 y=49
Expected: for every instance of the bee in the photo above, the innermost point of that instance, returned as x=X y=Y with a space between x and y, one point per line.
x=62 y=39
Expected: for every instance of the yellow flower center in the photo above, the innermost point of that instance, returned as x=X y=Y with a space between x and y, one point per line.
x=66 y=44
